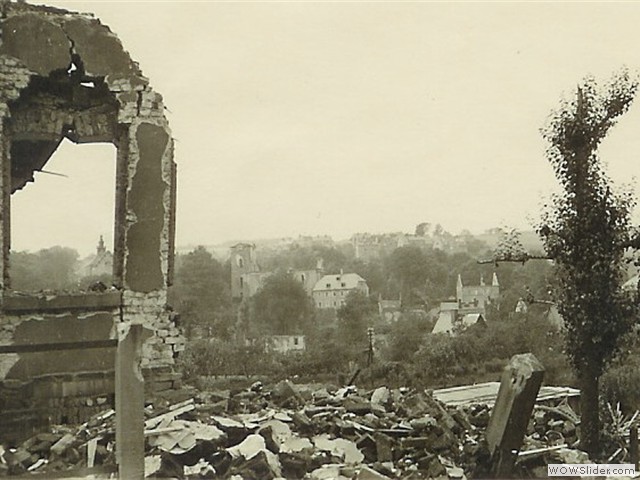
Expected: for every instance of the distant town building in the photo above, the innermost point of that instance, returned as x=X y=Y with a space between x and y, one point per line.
x=420 y=241
x=554 y=318
x=243 y=263
x=247 y=279
x=101 y=263
x=309 y=278
x=521 y=306
x=389 y=310
x=367 y=246
x=449 y=322
x=284 y=343
x=312 y=241
x=251 y=283
x=469 y=306
x=475 y=298
x=331 y=290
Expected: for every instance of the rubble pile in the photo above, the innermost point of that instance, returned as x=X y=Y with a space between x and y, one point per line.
x=299 y=431
x=92 y=443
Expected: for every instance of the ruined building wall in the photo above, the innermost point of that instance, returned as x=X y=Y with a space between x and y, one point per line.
x=65 y=75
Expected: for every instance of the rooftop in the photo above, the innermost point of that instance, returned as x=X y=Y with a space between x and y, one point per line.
x=346 y=281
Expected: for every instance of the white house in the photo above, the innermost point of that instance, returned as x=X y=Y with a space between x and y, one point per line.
x=331 y=290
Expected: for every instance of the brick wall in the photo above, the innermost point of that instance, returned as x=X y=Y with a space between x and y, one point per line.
x=65 y=75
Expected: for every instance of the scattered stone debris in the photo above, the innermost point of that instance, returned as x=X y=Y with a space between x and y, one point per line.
x=304 y=431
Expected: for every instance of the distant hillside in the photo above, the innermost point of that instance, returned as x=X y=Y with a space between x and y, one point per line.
x=491 y=238
x=529 y=239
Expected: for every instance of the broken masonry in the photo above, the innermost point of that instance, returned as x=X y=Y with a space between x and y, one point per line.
x=65 y=75
x=320 y=431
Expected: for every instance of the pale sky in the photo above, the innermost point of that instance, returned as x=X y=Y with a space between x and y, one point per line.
x=334 y=118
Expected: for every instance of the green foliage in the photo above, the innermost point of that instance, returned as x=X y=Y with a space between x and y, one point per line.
x=587 y=228
x=282 y=306
x=405 y=337
x=214 y=357
x=533 y=281
x=375 y=275
x=205 y=357
x=327 y=353
x=201 y=293
x=482 y=352
x=354 y=317
x=586 y=232
x=304 y=258
x=417 y=275
x=48 y=269
x=422 y=229
x=621 y=382
x=476 y=355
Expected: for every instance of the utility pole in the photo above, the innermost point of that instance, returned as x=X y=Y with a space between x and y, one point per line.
x=370 y=349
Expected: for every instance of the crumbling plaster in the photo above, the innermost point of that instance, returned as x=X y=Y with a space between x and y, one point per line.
x=65 y=75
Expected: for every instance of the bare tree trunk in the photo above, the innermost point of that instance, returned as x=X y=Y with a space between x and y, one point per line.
x=590 y=413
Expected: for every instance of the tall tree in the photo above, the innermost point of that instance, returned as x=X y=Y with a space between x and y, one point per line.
x=422 y=229
x=418 y=274
x=201 y=292
x=282 y=306
x=586 y=231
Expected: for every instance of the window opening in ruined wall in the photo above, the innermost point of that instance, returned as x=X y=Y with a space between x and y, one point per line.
x=62 y=223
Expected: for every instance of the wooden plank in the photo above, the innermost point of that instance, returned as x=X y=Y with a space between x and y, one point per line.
x=153 y=422
x=52 y=347
x=488 y=391
x=541 y=450
x=61 y=302
x=633 y=446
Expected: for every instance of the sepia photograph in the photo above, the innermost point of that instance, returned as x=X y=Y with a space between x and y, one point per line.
x=320 y=240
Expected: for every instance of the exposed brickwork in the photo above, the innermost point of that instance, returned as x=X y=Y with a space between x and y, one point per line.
x=65 y=75
x=161 y=349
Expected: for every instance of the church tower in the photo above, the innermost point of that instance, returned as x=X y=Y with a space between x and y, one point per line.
x=101 y=250
x=243 y=261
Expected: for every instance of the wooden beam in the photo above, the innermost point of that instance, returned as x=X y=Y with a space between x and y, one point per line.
x=51 y=347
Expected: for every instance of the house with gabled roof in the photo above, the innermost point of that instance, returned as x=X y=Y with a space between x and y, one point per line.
x=449 y=322
x=331 y=291
x=469 y=306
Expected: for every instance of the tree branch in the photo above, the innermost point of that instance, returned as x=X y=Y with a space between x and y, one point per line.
x=518 y=258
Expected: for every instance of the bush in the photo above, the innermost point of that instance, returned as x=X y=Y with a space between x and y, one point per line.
x=215 y=357
x=481 y=352
x=621 y=383
x=204 y=357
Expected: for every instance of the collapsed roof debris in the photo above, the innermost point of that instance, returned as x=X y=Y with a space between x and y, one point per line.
x=306 y=431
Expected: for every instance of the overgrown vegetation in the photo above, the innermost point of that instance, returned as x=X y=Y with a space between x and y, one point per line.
x=406 y=354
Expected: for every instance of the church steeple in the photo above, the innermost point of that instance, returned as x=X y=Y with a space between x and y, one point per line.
x=101 y=248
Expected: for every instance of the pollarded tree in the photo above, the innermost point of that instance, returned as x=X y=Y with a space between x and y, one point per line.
x=586 y=231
